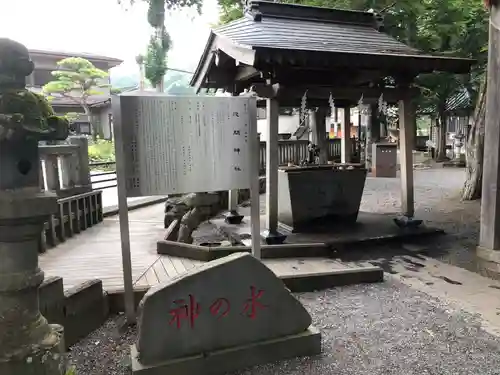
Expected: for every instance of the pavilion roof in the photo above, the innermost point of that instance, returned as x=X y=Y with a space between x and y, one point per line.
x=319 y=30
x=290 y=37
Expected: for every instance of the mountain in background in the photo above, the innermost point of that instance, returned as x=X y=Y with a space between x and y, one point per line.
x=176 y=83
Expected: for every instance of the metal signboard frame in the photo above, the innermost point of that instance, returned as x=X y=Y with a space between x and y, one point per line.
x=123 y=106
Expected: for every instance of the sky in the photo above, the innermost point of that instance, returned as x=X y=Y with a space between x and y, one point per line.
x=104 y=27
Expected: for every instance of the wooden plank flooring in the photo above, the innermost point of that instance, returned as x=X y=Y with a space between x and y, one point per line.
x=281 y=267
x=96 y=254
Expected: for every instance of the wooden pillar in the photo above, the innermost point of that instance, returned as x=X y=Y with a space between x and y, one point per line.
x=346 y=148
x=489 y=235
x=318 y=128
x=321 y=116
x=407 y=122
x=272 y=107
x=372 y=134
x=233 y=217
x=313 y=126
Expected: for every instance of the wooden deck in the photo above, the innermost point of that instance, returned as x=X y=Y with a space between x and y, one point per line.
x=167 y=267
x=96 y=254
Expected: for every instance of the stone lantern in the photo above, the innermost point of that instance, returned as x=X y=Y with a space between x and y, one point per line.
x=28 y=344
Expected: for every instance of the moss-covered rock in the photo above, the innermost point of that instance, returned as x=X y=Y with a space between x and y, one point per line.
x=34 y=108
x=24 y=114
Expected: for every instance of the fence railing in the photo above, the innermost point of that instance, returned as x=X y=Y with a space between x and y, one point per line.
x=103 y=174
x=289 y=151
x=294 y=151
x=64 y=168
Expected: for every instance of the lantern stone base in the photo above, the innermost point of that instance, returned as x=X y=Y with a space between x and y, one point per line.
x=43 y=358
x=307 y=343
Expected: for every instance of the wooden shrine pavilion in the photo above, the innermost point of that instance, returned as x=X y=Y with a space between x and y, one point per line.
x=285 y=51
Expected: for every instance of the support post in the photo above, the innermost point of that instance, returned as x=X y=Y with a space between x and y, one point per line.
x=121 y=185
x=314 y=127
x=271 y=234
x=83 y=160
x=346 y=148
x=255 y=186
x=320 y=117
x=233 y=217
x=489 y=235
x=407 y=122
x=372 y=134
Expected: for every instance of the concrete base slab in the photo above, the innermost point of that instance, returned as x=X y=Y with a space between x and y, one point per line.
x=307 y=343
x=488 y=262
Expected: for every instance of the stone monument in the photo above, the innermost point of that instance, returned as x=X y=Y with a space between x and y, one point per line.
x=28 y=344
x=226 y=315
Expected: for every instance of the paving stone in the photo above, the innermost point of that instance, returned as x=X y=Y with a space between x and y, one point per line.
x=230 y=302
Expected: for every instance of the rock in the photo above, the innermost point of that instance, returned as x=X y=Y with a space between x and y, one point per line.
x=223 y=304
x=201 y=199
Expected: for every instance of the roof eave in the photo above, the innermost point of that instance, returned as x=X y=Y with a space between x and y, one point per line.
x=239 y=52
x=203 y=59
x=111 y=61
x=420 y=63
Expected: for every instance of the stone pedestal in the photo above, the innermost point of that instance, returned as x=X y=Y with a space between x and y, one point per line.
x=314 y=197
x=199 y=323
x=28 y=344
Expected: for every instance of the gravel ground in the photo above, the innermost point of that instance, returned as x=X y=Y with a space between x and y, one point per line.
x=384 y=328
x=369 y=329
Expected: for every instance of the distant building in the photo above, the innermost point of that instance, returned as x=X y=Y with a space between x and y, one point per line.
x=46 y=62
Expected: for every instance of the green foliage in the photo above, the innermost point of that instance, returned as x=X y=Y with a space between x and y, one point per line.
x=155 y=65
x=77 y=79
x=155 y=61
x=172 y=5
x=71 y=117
x=71 y=371
x=156 y=13
x=101 y=150
x=159 y=44
x=115 y=90
x=34 y=108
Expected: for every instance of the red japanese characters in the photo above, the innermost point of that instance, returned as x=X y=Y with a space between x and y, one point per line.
x=189 y=310
x=253 y=304
x=220 y=308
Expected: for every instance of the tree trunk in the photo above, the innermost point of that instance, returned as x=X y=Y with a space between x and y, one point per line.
x=93 y=130
x=475 y=150
x=441 y=144
x=141 y=77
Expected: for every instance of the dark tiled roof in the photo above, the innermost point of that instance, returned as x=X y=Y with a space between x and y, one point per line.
x=313 y=35
x=94 y=101
x=274 y=32
x=113 y=61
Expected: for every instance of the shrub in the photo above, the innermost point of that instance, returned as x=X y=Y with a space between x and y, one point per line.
x=102 y=151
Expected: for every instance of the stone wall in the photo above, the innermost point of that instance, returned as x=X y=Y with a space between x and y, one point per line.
x=79 y=310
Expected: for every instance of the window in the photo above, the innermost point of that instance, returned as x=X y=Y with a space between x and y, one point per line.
x=42 y=77
x=81 y=127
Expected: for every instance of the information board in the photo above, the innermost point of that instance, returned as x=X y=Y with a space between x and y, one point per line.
x=175 y=145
